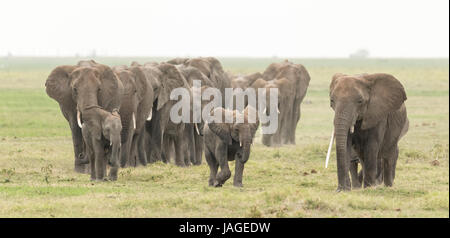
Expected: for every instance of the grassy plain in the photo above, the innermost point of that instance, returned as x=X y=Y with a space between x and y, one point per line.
x=36 y=158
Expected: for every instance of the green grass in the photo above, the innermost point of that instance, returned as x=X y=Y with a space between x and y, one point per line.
x=36 y=159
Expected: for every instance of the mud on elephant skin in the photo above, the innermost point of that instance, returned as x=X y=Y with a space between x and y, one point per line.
x=370 y=117
x=227 y=142
x=80 y=87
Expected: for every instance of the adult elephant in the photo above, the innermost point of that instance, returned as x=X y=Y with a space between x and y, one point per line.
x=212 y=68
x=209 y=71
x=78 y=88
x=135 y=110
x=299 y=77
x=193 y=131
x=285 y=100
x=245 y=81
x=370 y=117
x=164 y=78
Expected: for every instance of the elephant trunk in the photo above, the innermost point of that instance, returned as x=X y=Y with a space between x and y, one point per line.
x=245 y=151
x=115 y=152
x=342 y=123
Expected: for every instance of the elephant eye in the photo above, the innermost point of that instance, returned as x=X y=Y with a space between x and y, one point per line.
x=360 y=101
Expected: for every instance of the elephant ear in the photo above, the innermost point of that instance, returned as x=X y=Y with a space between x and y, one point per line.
x=111 y=88
x=171 y=78
x=222 y=130
x=57 y=85
x=141 y=82
x=251 y=114
x=386 y=95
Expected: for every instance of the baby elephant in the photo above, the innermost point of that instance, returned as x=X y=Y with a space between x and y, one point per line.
x=101 y=133
x=229 y=141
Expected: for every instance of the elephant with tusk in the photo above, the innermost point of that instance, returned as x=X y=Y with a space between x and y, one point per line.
x=135 y=111
x=78 y=88
x=370 y=118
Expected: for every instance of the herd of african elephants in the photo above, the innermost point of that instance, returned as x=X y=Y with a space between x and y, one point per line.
x=123 y=116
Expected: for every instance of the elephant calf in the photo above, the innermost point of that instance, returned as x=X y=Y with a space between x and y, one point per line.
x=101 y=132
x=227 y=142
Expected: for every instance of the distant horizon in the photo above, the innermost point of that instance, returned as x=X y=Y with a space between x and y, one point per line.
x=230 y=57
x=234 y=28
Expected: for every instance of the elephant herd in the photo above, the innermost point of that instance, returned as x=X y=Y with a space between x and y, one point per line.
x=121 y=117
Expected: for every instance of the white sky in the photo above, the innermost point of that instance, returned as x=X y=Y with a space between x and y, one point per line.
x=315 y=28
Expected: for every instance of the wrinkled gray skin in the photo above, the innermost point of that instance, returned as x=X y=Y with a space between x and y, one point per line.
x=372 y=104
x=164 y=78
x=81 y=87
x=227 y=142
x=286 y=98
x=243 y=82
x=193 y=137
x=102 y=135
x=299 y=78
x=209 y=71
x=135 y=109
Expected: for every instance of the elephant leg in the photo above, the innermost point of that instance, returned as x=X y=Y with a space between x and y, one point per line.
x=80 y=153
x=225 y=172
x=213 y=167
x=180 y=150
x=390 y=162
x=238 y=172
x=189 y=139
x=140 y=150
x=167 y=149
x=354 y=174
x=295 y=119
x=266 y=140
x=370 y=164
x=380 y=165
x=198 y=149
x=99 y=154
x=91 y=156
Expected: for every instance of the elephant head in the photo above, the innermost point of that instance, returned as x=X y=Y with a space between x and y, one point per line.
x=241 y=131
x=85 y=86
x=366 y=98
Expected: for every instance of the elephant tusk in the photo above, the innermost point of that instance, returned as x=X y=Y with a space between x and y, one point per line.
x=278 y=111
x=110 y=143
x=150 y=115
x=196 y=128
x=265 y=109
x=240 y=144
x=134 y=121
x=352 y=129
x=78 y=119
x=329 y=149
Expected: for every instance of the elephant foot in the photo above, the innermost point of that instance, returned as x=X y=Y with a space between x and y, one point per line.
x=340 y=189
x=239 y=185
x=82 y=168
x=217 y=184
x=357 y=186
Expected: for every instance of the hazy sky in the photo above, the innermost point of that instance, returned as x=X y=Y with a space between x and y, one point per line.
x=315 y=28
